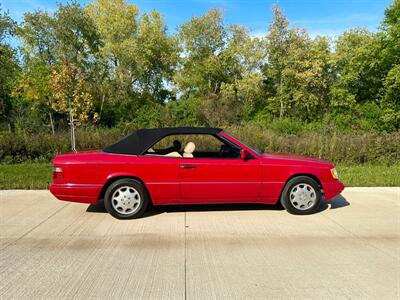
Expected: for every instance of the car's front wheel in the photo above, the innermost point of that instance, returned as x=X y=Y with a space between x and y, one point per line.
x=301 y=196
x=126 y=199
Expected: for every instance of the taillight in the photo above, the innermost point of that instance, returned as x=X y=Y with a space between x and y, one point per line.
x=57 y=173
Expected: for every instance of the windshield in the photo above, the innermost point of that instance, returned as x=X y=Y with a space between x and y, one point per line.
x=254 y=149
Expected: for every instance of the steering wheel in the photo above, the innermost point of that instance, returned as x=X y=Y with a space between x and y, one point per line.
x=221 y=151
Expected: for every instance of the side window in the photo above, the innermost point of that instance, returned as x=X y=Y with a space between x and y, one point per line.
x=194 y=146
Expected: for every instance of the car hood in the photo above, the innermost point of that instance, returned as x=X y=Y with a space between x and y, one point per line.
x=294 y=159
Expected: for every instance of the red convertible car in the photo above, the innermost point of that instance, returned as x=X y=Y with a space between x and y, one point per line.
x=190 y=166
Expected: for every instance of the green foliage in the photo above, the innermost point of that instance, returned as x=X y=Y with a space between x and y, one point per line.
x=297 y=71
x=391 y=100
x=78 y=40
x=8 y=66
x=119 y=68
x=185 y=112
x=139 y=55
x=358 y=69
x=391 y=27
x=70 y=94
x=283 y=136
x=203 y=40
x=286 y=126
x=149 y=115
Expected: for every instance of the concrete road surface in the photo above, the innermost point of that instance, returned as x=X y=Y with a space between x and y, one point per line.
x=52 y=249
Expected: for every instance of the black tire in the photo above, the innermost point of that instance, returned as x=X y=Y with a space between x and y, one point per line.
x=290 y=185
x=135 y=185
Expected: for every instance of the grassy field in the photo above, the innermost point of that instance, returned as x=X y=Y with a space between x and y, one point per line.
x=38 y=175
x=25 y=176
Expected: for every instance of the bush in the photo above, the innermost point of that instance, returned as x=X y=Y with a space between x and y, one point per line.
x=185 y=112
x=338 y=147
x=286 y=126
x=333 y=146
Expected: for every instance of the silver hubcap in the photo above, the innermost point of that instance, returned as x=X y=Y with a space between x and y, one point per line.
x=302 y=196
x=126 y=200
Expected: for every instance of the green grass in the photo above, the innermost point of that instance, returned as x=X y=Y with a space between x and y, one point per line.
x=370 y=175
x=33 y=176
x=38 y=175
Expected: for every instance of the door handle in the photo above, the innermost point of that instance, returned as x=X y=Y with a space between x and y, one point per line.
x=187 y=166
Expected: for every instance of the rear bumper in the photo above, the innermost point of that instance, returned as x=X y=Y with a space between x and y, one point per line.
x=84 y=193
x=332 y=189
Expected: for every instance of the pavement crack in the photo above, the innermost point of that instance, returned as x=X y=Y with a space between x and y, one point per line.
x=185 y=254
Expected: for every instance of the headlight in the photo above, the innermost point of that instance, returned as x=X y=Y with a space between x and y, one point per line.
x=334 y=173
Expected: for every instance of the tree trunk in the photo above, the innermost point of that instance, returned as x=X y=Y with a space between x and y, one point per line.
x=51 y=122
x=72 y=123
x=281 y=109
x=101 y=107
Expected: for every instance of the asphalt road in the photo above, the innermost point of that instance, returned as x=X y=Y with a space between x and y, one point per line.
x=53 y=249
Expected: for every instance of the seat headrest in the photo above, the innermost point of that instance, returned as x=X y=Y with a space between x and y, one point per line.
x=189 y=148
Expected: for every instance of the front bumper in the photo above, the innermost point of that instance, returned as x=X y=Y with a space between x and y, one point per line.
x=332 y=189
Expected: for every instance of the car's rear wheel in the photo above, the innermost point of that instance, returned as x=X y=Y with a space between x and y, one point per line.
x=126 y=199
x=301 y=195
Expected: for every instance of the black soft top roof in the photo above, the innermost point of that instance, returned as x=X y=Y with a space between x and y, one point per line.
x=139 y=141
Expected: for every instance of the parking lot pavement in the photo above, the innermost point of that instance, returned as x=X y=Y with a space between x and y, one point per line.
x=54 y=249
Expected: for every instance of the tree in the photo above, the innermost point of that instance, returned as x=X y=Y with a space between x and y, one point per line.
x=278 y=40
x=220 y=66
x=391 y=100
x=243 y=59
x=140 y=54
x=107 y=63
x=34 y=84
x=39 y=49
x=68 y=38
x=391 y=28
x=116 y=21
x=296 y=73
x=358 y=69
x=8 y=66
x=71 y=97
x=306 y=78
x=203 y=41
x=78 y=40
x=156 y=57
x=38 y=37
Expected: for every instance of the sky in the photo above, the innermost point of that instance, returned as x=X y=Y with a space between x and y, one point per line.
x=319 y=17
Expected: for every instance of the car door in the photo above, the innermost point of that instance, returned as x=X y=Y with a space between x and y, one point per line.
x=161 y=175
x=217 y=180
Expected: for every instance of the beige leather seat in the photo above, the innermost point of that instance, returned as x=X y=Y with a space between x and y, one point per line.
x=189 y=149
x=173 y=154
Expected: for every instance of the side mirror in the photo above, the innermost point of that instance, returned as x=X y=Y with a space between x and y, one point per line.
x=243 y=154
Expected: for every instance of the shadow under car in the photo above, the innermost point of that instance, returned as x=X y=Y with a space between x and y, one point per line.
x=337 y=202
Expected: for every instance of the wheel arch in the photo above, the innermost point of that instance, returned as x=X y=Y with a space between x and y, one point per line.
x=112 y=179
x=310 y=175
